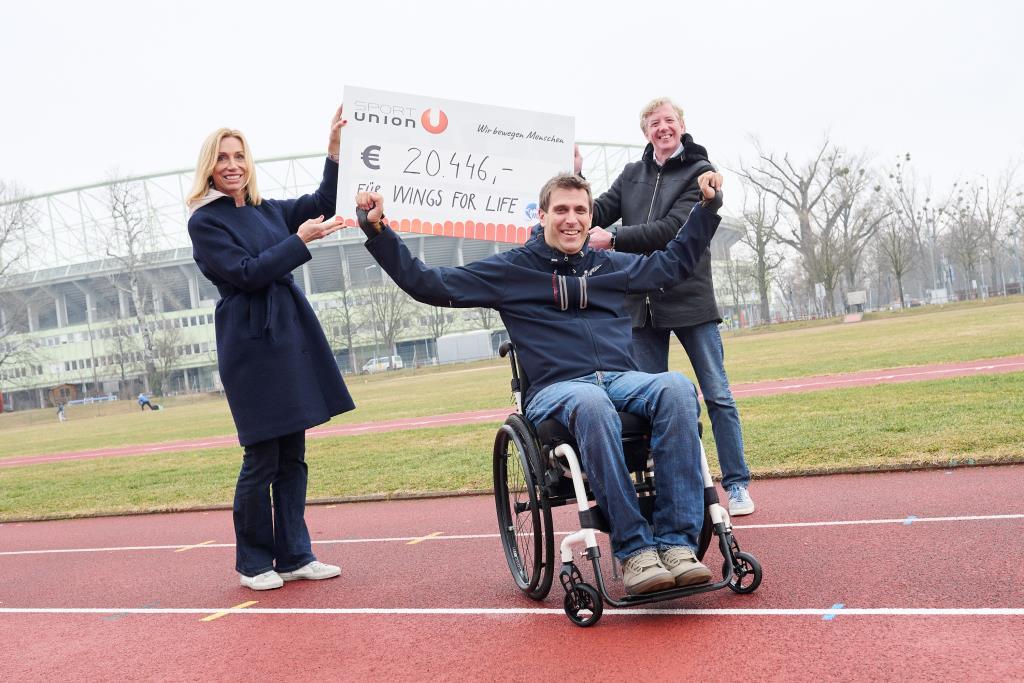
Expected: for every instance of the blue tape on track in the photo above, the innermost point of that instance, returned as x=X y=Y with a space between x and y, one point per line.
x=830 y=617
x=909 y=520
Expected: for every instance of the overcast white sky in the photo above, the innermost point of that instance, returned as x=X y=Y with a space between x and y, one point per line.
x=95 y=88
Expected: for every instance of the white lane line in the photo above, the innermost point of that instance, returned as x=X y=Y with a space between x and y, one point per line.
x=459 y=537
x=458 y=611
x=901 y=520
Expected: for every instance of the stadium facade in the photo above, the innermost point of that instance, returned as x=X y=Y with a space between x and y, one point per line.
x=70 y=330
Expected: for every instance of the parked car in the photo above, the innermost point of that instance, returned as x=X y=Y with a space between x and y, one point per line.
x=383 y=363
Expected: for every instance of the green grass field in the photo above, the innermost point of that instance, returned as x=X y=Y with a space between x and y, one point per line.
x=961 y=421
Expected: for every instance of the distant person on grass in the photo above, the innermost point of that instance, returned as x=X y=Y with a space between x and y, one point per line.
x=562 y=304
x=279 y=374
x=144 y=402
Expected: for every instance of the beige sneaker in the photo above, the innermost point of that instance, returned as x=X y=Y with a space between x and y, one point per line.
x=262 y=582
x=643 y=573
x=684 y=566
x=314 y=571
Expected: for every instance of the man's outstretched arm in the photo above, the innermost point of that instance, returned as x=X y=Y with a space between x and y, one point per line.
x=680 y=256
x=478 y=284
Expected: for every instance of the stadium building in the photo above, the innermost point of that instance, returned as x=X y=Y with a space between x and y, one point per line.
x=70 y=331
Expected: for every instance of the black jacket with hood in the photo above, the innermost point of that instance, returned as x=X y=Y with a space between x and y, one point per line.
x=653 y=202
x=563 y=312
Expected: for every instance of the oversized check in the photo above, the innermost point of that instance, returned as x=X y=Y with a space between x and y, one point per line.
x=449 y=168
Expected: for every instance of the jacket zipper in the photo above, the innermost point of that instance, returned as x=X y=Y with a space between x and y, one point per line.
x=650 y=212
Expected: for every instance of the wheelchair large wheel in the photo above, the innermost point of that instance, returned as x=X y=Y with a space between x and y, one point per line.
x=524 y=514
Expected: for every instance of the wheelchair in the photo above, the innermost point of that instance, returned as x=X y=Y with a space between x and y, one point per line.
x=537 y=469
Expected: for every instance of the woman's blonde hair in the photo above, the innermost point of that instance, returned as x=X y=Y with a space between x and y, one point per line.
x=203 y=180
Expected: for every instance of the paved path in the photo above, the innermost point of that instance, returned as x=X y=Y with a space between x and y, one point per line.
x=907 y=576
x=802 y=384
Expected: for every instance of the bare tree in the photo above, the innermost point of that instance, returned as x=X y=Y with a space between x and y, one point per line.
x=995 y=216
x=964 y=237
x=739 y=277
x=389 y=306
x=1015 y=235
x=340 y=321
x=760 y=218
x=897 y=246
x=910 y=200
x=485 y=318
x=791 y=288
x=860 y=211
x=439 y=320
x=130 y=238
x=167 y=353
x=803 y=190
x=17 y=218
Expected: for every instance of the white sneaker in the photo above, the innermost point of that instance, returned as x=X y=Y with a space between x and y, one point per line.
x=740 y=502
x=262 y=582
x=313 y=571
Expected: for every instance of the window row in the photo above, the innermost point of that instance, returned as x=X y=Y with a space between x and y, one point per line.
x=130 y=357
x=123 y=330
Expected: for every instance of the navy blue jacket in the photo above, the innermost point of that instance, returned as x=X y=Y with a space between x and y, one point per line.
x=277 y=368
x=564 y=313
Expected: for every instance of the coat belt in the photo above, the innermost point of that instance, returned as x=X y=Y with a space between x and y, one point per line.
x=261 y=304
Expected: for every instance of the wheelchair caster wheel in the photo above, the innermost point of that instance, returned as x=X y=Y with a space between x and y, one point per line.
x=583 y=605
x=746 y=573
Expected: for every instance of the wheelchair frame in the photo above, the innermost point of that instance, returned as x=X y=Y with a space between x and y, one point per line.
x=530 y=479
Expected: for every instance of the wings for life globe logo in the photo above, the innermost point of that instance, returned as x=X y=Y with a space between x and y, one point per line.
x=531 y=212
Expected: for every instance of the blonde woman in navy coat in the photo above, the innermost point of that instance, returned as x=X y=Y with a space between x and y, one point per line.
x=277 y=368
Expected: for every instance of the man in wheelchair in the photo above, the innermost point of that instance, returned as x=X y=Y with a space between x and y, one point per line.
x=562 y=305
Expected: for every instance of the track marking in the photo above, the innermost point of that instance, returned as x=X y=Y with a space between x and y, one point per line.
x=854 y=522
x=909 y=520
x=833 y=611
x=458 y=537
x=233 y=610
x=424 y=538
x=121 y=615
x=190 y=547
x=489 y=611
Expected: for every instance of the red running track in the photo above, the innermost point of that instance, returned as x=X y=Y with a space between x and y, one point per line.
x=925 y=565
x=865 y=378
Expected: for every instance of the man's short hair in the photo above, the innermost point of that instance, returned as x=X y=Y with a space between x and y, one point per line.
x=564 y=181
x=654 y=104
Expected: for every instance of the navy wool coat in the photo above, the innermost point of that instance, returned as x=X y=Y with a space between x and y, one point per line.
x=275 y=363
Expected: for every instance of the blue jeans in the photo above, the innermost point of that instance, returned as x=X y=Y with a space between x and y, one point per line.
x=272 y=535
x=588 y=407
x=703 y=345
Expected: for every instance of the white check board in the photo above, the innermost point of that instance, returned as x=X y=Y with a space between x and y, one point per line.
x=450 y=168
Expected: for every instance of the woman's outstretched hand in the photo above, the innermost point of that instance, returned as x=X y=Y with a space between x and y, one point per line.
x=317 y=228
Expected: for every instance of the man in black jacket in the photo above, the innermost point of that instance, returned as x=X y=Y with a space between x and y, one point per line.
x=652 y=198
x=562 y=304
